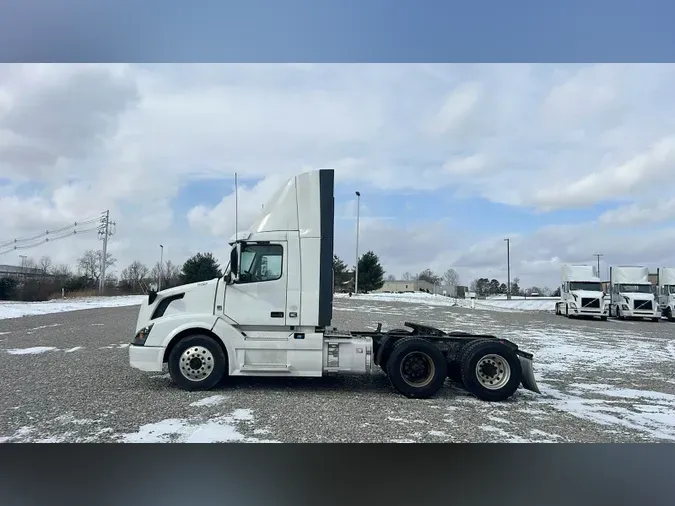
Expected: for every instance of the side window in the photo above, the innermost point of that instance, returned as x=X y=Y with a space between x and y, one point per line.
x=261 y=262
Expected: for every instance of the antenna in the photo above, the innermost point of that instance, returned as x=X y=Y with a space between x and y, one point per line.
x=236 y=208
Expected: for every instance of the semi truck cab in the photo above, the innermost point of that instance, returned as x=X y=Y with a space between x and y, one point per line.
x=271 y=314
x=666 y=291
x=632 y=294
x=581 y=293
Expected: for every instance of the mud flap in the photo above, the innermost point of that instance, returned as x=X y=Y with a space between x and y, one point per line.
x=527 y=380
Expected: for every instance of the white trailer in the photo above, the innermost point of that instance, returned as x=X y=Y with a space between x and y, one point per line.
x=581 y=293
x=666 y=291
x=632 y=295
x=270 y=315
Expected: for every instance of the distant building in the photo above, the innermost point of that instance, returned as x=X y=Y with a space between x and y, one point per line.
x=402 y=286
x=16 y=271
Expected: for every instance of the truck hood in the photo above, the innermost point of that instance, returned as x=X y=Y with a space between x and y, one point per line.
x=146 y=310
x=637 y=296
x=186 y=288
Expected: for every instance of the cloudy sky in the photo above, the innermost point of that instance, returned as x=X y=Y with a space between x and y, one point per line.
x=566 y=160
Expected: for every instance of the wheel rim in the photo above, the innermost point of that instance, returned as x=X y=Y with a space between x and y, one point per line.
x=196 y=363
x=417 y=369
x=493 y=372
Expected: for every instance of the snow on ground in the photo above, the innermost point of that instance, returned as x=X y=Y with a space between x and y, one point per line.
x=36 y=350
x=493 y=303
x=19 y=309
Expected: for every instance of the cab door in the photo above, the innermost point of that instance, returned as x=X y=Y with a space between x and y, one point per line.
x=258 y=298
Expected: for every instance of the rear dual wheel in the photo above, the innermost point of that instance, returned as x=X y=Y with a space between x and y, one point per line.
x=490 y=370
x=416 y=368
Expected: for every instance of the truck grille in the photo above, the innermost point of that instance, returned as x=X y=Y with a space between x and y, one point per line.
x=642 y=305
x=590 y=303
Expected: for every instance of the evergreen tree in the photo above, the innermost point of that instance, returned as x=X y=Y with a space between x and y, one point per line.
x=340 y=274
x=201 y=267
x=371 y=273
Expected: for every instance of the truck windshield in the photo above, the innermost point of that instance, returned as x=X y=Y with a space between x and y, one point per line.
x=590 y=286
x=671 y=288
x=635 y=288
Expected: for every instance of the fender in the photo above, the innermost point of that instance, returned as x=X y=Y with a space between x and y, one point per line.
x=229 y=336
x=165 y=329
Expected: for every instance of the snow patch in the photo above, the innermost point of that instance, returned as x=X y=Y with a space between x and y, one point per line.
x=213 y=400
x=36 y=350
x=648 y=412
x=494 y=304
x=220 y=429
x=70 y=350
x=19 y=309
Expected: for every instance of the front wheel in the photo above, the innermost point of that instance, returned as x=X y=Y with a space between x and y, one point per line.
x=491 y=370
x=416 y=368
x=197 y=362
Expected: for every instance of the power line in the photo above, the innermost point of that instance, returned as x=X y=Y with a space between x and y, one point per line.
x=46 y=234
x=79 y=227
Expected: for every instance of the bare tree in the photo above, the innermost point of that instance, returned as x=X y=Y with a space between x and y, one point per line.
x=170 y=274
x=391 y=277
x=407 y=276
x=45 y=264
x=90 y=264
x=29 y=263
x=61 y=271
x=134 y=274
x=451 y=278
x=429 y=276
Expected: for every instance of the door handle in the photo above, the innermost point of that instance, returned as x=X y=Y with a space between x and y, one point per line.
x=277 y=314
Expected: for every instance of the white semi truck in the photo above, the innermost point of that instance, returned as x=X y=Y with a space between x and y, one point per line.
x=666 y=291
x=632 y=294
x=581 y=293
x=270 y=315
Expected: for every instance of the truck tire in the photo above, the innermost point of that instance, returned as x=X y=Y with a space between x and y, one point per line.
x=603 y=318
x=669 y=314
x=491 y=370
x=455 y=366
x=416 y=368
x=197 y=362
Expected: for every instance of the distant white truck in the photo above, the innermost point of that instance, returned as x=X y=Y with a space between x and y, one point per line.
x=581 y=293
x=666 y=291
x=632 y=295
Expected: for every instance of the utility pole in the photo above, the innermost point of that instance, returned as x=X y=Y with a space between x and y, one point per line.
x=23 y=265
x=356 y=269
x=161 y=268
x=508 y=269
x=104 y=232
x=598 y=255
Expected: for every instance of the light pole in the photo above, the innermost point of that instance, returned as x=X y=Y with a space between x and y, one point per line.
x=161 y=267
x=598 y=255
x=356 y=270
x=508 y=269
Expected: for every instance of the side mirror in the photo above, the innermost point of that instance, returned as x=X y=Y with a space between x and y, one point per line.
x=233 y=275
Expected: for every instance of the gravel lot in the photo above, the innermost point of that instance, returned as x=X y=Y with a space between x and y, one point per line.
x=65 y=377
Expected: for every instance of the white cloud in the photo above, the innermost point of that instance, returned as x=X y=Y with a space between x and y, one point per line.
x=86 y=138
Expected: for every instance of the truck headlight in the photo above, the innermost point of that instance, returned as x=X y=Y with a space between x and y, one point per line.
x=142 y=335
